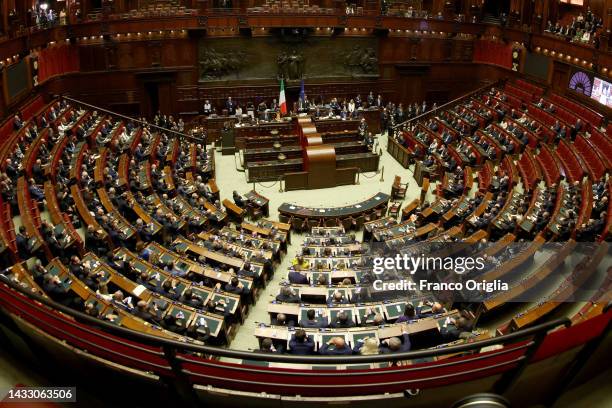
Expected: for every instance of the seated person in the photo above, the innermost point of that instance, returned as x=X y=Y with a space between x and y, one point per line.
x=409 y=314
x=267 y=346
x=170 y=323
x=454 y=329
x=373 y=318
x=312 y=321
x=286 y=295
x=336 y=346
x=190 y=299
x=169 y=289
x=143 y=312
x=301 y=344
x=360 y=295
x=337 y=298
x=199 y=330
x=300 y=263
x=236 y=287
x=297 y=278
x=395 y=344
x=436 y=308
x=366 y=347
x=342 y=321
x=281 y=320
x=238 y=200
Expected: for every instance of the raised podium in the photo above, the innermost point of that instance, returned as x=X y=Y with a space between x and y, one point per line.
x=320 y=163
x=227 y=141
x=320 y=166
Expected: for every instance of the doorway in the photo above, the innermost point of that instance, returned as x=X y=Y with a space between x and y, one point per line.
x=497 y=7
x=152 y=93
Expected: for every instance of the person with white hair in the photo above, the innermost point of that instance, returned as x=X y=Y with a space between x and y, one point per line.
x=367 y=346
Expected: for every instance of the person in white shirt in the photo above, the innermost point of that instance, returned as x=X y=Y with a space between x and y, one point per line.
x=124 y=138
x=351 y=107
x=207 y=107
x=586 y=36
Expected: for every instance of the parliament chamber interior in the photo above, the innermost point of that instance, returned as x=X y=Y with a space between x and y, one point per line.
x=305 y=203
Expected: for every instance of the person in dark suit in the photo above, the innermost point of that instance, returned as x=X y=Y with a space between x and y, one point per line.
x=139 y=153
x=17 y=122
x=267 y=346
x=342 y=321
x=36 y=193
x=379 y=101
x=301 y=344
x=286 y=295
x=142 y=311
x=371 y=99
x=22 y=243
x=337 y=298
x=53 y=287
x=238 y=200
x=455 y=329
x=247 y=270
x=395 y=344
x=230 y=106
x=409 y=314
x=297 y=278
x=360 y=295
x=336 y=347
x=37 y=170
x=168 y=289
x=190 y=299
x=234 y=286
x=312 y=321
x=170 y=323
x=281 y=320
x=199 y=330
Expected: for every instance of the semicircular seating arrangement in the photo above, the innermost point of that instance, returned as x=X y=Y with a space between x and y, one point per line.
x=121 y=221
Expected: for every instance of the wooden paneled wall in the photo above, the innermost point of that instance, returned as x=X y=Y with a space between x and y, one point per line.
x=120 y=75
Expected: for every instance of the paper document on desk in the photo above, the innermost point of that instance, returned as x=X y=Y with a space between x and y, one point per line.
x=138 y=290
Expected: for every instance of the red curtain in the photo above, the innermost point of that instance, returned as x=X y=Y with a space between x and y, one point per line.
x=491 y=52
x=57 y=61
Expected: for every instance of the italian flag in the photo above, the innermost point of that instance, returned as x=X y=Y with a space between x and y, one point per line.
x=282 y=102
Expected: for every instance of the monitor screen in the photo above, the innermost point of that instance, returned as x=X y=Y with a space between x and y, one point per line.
x=602 y=92
x=16 y=79
x=581 y=82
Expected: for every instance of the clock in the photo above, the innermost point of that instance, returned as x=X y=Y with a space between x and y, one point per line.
x=580 y=82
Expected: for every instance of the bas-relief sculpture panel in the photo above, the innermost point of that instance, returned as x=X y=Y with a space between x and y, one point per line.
x=271 y=58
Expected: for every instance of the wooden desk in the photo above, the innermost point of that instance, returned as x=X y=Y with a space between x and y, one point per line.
x=259 y=201
x=377 y=201
x=508 y=266
x=190 y=266
x=125 y=228
x=235 y=211
x=61 y=220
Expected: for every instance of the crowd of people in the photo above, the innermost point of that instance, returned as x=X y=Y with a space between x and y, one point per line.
x=391 y=113
x=509 y=134
x=79 y=125
x=582 y=28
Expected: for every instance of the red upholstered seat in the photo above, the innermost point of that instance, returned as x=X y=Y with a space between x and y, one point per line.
x=590 y=157
x=570 y=161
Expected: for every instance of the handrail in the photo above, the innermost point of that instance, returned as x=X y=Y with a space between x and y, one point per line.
x=448 y=104
x=540 y=330
x=143 y=123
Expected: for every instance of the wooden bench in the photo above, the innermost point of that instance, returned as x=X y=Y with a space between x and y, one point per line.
x=234 y=211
